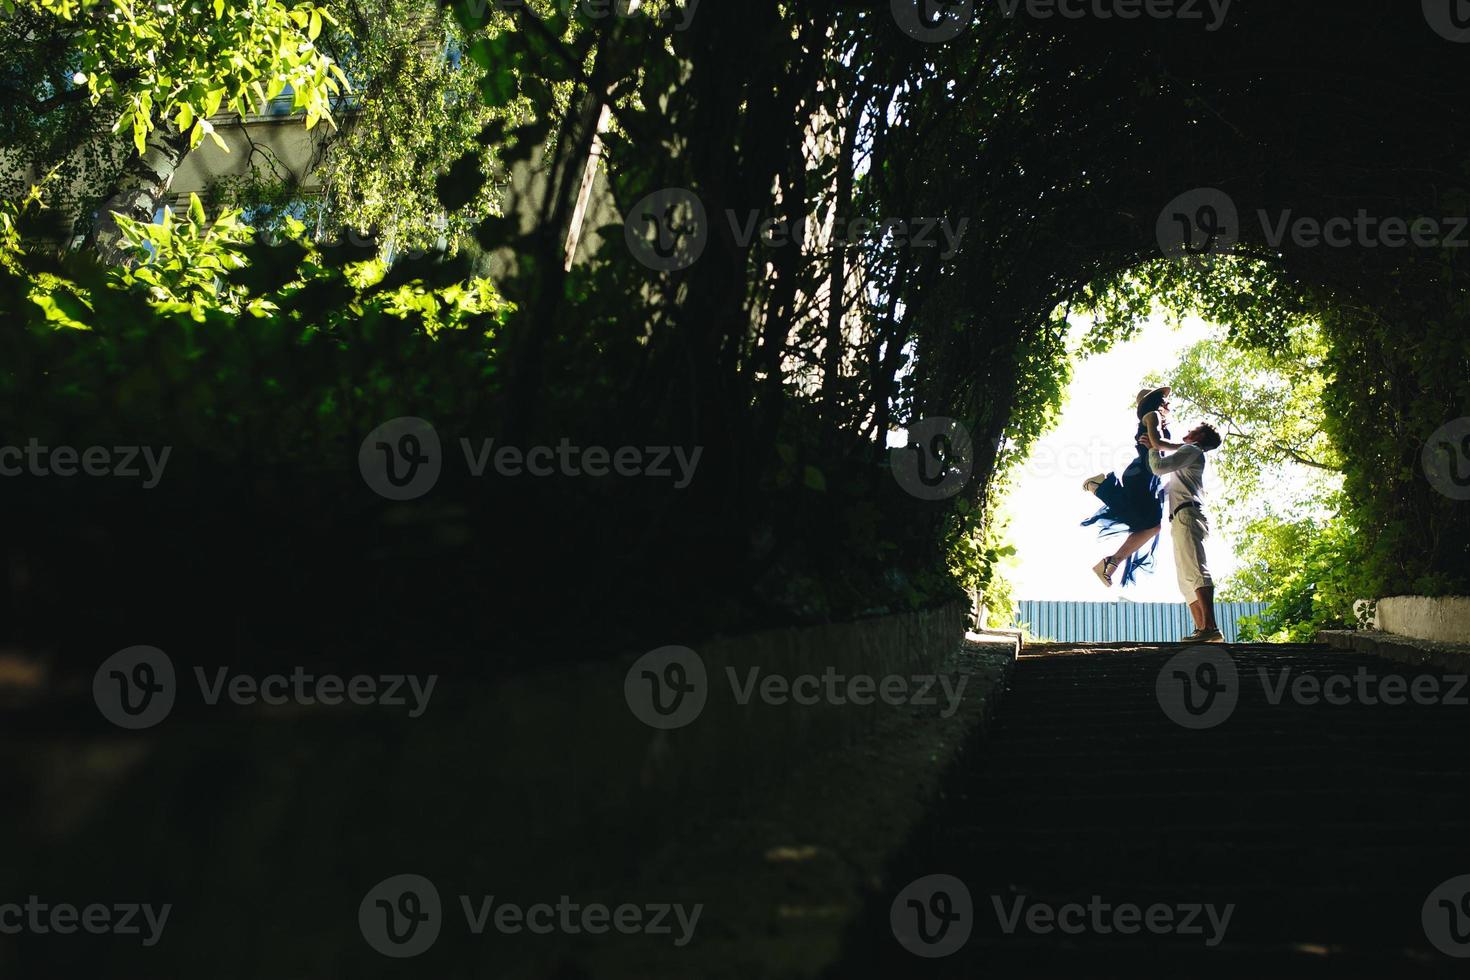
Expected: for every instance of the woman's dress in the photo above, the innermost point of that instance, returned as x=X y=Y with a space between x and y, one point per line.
x=1133 y=501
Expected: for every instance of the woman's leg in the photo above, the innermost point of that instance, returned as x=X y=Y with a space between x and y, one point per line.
x=1134 y=542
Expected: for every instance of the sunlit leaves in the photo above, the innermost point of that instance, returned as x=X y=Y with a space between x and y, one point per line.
x=177 y=65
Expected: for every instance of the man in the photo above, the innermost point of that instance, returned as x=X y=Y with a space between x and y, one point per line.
x=1188 y=525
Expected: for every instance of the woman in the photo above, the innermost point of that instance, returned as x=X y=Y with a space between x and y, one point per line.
x=1134 y=502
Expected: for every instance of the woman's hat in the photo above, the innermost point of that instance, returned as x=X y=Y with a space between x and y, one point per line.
x=1153 y=395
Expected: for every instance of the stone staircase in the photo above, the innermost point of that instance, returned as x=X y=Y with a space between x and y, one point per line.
x=1324 y=827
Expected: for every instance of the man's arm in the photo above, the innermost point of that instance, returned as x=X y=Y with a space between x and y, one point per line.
x=1168 y=464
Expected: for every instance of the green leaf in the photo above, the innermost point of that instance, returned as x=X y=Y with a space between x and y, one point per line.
x=813 y=479
x=460 y=185
x=498 y=87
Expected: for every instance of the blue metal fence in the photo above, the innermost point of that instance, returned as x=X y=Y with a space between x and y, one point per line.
x=1123 y=621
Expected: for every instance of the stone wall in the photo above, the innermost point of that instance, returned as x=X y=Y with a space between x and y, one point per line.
x=1441 y=620
x=265 y=827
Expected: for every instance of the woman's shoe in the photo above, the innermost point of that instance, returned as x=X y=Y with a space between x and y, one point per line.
x=1104 y=570
x=1091 y=484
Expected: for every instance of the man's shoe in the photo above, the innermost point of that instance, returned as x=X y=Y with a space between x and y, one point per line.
x=1104 y=570
x=1091 y=484
x=1204 y=636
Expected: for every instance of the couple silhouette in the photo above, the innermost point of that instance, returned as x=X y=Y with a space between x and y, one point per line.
x=1164 y=477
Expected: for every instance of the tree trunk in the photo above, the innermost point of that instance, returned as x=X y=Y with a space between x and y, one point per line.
x=137 y=192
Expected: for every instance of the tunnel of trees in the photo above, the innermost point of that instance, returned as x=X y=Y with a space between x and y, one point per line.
x=1057 y=149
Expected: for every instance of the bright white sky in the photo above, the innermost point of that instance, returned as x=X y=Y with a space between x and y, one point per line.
x=1094 y=434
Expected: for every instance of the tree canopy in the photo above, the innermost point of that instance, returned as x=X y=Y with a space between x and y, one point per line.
x=798 y=299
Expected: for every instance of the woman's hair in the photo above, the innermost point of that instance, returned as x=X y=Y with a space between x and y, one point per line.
x=1150 y=404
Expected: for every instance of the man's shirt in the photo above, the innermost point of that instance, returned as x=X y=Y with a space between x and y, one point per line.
x=1186 y=466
